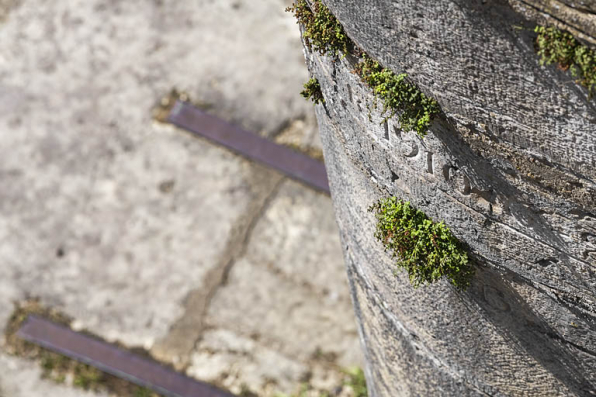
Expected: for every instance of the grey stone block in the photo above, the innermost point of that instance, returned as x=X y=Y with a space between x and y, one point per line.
x=510 y=167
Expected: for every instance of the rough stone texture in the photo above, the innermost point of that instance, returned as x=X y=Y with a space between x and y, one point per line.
x=19 y=379
x=126 y=225
x=82 y=147
x=294 y=322
x=510 y=167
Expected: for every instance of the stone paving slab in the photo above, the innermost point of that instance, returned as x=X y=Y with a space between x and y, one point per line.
x=124 y=224
x=284 y=301
x=297 y=238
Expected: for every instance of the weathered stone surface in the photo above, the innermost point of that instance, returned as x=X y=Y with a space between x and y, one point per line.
x=83 y=163
x=124 y=224
x=510 y=167
x=282 y=301
x=5 y=7
x=239 y=363
x=19 y=379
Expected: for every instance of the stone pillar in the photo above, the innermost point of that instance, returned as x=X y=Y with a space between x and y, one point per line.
x=510 y=166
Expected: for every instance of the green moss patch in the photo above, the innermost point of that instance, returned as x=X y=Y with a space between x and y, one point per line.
x=322 y=31
x=556 y=46
x=427 y=250
x=312 y=91
x=415 y=109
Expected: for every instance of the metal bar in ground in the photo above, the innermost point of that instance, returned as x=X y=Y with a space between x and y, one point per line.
x=248 y=144
x=113 y=360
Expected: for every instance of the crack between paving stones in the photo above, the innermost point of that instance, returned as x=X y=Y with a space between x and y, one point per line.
x=175 y=347
x=246 y=236
x=245 y=239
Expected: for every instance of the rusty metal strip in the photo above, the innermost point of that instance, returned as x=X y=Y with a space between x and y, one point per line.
x=248 y=144
x=113 y=360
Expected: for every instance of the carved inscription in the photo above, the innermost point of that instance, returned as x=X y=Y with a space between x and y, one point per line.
x=409 y=148
x=590 y=253
x=429 y=162
x=460 y=182
x=457 y=179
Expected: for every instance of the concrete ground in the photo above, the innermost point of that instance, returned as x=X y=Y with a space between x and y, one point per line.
x=144 y=234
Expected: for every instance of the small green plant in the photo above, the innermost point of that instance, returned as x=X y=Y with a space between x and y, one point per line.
x=426 y=249
x=398 y=96
x=556 y=46
x=322 y=31
x=312 y=91
x=143 y=392
x=86 y=377
x=354 y=385
x=356 y=382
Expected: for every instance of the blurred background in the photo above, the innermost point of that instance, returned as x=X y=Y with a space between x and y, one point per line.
x=144 y=235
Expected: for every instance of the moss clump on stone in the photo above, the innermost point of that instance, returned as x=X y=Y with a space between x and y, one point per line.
x=322 y=31
x=556 y=46
x=426 y=249
x=312 y=91
x=415 y=109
